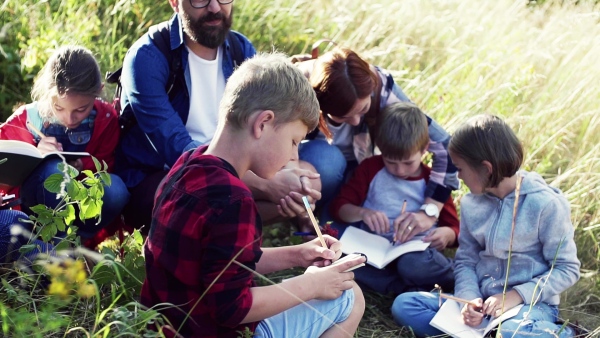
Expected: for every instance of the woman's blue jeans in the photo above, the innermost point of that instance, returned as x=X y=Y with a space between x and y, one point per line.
x=329 y=162
x=33 y=193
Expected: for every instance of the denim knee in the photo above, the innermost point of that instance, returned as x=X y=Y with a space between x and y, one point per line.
x=32 y=190
x=422 y=270
x=329 y=162
x=12 y=234
x=115 y=198
x=415 y=310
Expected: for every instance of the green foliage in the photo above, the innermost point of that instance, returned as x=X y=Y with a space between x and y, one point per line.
x=58 y=297
x=31 y=30
x=85 y=194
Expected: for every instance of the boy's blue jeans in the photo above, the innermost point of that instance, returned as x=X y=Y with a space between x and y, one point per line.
x=310 y=319
x=115 y=197
x=414 y=271
x=416 y=309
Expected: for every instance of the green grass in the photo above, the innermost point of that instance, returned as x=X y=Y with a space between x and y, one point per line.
x=535 y=66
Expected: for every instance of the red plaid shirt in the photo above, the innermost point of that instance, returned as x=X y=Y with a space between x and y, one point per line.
x=204 y=218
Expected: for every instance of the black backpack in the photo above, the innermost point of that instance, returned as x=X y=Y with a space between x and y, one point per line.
x=161 y=36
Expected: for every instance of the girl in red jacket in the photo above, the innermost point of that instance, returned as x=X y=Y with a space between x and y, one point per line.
x=71 y=118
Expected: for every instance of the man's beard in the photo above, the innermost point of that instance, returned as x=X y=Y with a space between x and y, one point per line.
x=206 y=35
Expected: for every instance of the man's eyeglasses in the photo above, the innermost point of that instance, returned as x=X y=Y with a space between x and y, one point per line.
x=205 y=3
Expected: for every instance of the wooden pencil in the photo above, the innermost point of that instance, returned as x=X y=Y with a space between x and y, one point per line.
x=35 y=130
x=314 y=221
x=401 y=212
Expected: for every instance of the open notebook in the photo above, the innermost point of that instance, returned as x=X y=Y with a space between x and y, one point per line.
x=379 y=251
x=449 y=320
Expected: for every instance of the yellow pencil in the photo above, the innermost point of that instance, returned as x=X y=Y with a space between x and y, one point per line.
x=314 y=222
x=35 y=130
x=401 y=212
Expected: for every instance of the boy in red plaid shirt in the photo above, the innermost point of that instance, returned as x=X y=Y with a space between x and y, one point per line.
x=204 y=243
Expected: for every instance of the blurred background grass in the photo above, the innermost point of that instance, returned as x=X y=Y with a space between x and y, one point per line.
x=535 y=65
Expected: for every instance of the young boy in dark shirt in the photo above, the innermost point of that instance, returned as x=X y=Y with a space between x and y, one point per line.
x=204 y=243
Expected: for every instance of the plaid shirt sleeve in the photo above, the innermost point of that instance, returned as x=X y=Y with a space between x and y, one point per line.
x=202 y=248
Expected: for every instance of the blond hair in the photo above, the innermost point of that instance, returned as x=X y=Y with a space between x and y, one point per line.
x=71 y=69
x=402 y=130
x=268 y=81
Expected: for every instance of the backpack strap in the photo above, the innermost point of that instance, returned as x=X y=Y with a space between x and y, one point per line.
x=236 y=49
x=34 y=118
x=373 y=113
x=160 y=34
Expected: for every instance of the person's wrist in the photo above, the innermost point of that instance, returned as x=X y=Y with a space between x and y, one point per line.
x=430 y=210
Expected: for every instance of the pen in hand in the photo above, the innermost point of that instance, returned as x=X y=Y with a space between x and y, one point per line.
x=395 y=230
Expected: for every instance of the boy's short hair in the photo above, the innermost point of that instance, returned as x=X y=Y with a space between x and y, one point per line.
x=488 y=138
x=268 y=81
x=402 y=131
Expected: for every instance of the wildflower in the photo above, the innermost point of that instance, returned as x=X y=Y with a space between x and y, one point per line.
x=58 y=288
x=86 y=290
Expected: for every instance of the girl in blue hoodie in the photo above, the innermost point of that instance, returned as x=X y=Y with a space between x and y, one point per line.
x=543 y=255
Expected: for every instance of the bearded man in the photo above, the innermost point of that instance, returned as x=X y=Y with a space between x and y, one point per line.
x=173 y=116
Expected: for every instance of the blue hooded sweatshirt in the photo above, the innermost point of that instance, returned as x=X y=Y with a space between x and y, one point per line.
x=544 y=256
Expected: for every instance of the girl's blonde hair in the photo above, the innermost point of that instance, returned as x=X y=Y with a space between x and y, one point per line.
x=71 y=69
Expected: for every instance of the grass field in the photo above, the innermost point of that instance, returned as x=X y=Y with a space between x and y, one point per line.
x=536 y=66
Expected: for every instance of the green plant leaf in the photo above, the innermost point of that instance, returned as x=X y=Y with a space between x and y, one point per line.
x=53 y=182
x=59 y=223
x=71 y=171
x=70 y=216
x=137 y=236
x=62 y=245
x=88 y=173
x=96 y=164
x=105 y=177
x=90 y=208
x=38 y=209
x=26 y=248
x=47 y=232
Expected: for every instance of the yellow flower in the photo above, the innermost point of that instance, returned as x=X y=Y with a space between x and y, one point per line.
x=54 y=270
x=81 y=276
x=58 y=289
x=86 y=290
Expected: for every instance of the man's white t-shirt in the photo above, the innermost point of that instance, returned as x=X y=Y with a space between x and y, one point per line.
x=208 y=85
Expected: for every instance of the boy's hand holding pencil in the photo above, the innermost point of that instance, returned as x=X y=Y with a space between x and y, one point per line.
x=395 y=228
x=330 y=249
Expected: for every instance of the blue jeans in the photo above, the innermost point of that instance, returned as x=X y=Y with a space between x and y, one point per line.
x=14 y=234
x=33 y=193
x=308 y=319
x=329 y=162
x=416 y=309
x=414 y=271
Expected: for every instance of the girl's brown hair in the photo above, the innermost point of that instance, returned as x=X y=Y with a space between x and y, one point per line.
x=71 y=69
x=339 y=78
x=488 y=138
